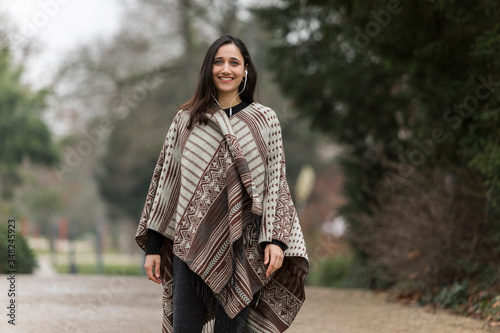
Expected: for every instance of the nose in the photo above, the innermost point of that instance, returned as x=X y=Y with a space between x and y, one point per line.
x=225 y=68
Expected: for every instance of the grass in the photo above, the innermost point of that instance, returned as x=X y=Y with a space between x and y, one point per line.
x=109 y=269
x=114 y=263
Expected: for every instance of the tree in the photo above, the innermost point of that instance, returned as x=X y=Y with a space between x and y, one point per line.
x=413 y=85
x=22 y=131
x=23 y=136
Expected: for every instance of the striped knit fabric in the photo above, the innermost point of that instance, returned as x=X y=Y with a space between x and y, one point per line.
x=207 y=185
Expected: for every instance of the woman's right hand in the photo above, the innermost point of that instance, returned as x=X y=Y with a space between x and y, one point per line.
x=152 y=267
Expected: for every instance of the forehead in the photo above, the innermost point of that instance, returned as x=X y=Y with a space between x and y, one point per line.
x=229 y=51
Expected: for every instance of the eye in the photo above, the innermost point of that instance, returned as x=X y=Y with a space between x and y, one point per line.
x=235 y=63
x=217 y=62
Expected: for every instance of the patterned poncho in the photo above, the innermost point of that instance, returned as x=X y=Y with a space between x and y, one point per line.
x=209 y=185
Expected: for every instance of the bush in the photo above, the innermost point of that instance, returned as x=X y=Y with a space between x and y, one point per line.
x=25 y=258
x=453 y=295
x=435 y=239
x=367 y=276
x=330 y=272
x=429 y=230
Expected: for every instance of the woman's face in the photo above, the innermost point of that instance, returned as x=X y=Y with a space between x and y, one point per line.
x=228 y=70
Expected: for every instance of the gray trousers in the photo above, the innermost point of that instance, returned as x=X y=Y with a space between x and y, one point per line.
x=190 y=310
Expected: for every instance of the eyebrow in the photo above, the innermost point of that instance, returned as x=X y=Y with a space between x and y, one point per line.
x=229 y=58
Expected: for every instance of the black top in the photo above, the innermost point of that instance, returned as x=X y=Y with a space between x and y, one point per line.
x=155 y=239
x=237 y=108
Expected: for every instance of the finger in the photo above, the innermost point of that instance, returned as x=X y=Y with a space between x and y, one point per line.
x=279 y=262
x=156 y=275
x=269 y=270
x=152 y=262
x=157 y=267
x=266 y=254
x=279 y=259
x=149 y=270
x=272 y=265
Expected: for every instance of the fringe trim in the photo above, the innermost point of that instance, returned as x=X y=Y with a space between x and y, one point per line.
x=222 y=320
x=209 y=326
x=203 y=290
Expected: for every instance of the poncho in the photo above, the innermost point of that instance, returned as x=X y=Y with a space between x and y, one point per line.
x=210 y=184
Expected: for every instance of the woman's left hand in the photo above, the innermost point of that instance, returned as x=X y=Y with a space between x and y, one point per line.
x=273 y=255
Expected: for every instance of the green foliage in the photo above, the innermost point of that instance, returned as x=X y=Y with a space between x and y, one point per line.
x=109 y=269
x=489 y=305
x=485 y=152
x=453 y=295
x=477 y=297
x=22 y=131
x=330 y=272
x=25 y=259
x=367 y=275
x=408 y=87
x=385 y=91
x=385 y=96
x=348 y=272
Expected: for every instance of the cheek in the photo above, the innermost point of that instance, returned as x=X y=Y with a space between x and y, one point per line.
x=214 y=77
x=238 y=76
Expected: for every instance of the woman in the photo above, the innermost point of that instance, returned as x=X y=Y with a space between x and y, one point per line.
x=219 y=227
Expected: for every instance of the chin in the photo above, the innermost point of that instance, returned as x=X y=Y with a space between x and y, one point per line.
x=225 y=90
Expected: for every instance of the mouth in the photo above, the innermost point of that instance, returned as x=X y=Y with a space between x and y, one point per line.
x=225 y=79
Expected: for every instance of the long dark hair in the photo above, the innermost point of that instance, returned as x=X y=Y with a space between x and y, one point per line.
x=202 y=101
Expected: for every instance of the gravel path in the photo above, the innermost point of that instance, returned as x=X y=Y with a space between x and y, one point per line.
x=80 y=304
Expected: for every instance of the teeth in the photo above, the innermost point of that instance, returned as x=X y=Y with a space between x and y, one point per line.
x=226 y=78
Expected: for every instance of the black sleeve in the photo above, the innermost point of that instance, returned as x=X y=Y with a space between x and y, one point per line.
x=155 y=242
x=276 y=242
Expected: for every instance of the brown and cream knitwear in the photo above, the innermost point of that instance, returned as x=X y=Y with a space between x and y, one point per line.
x=209 y=187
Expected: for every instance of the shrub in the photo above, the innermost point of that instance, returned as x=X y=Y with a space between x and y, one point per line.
x=429 y=231
x=453 y=295
x=25 y=259
x=330 y=272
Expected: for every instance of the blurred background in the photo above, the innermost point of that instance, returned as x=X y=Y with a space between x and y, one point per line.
x=390 y=113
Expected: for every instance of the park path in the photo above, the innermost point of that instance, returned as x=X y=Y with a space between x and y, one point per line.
x=119 y=304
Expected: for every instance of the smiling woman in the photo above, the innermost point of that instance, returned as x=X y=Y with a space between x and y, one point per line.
x=228 y=74
x=219 y=227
